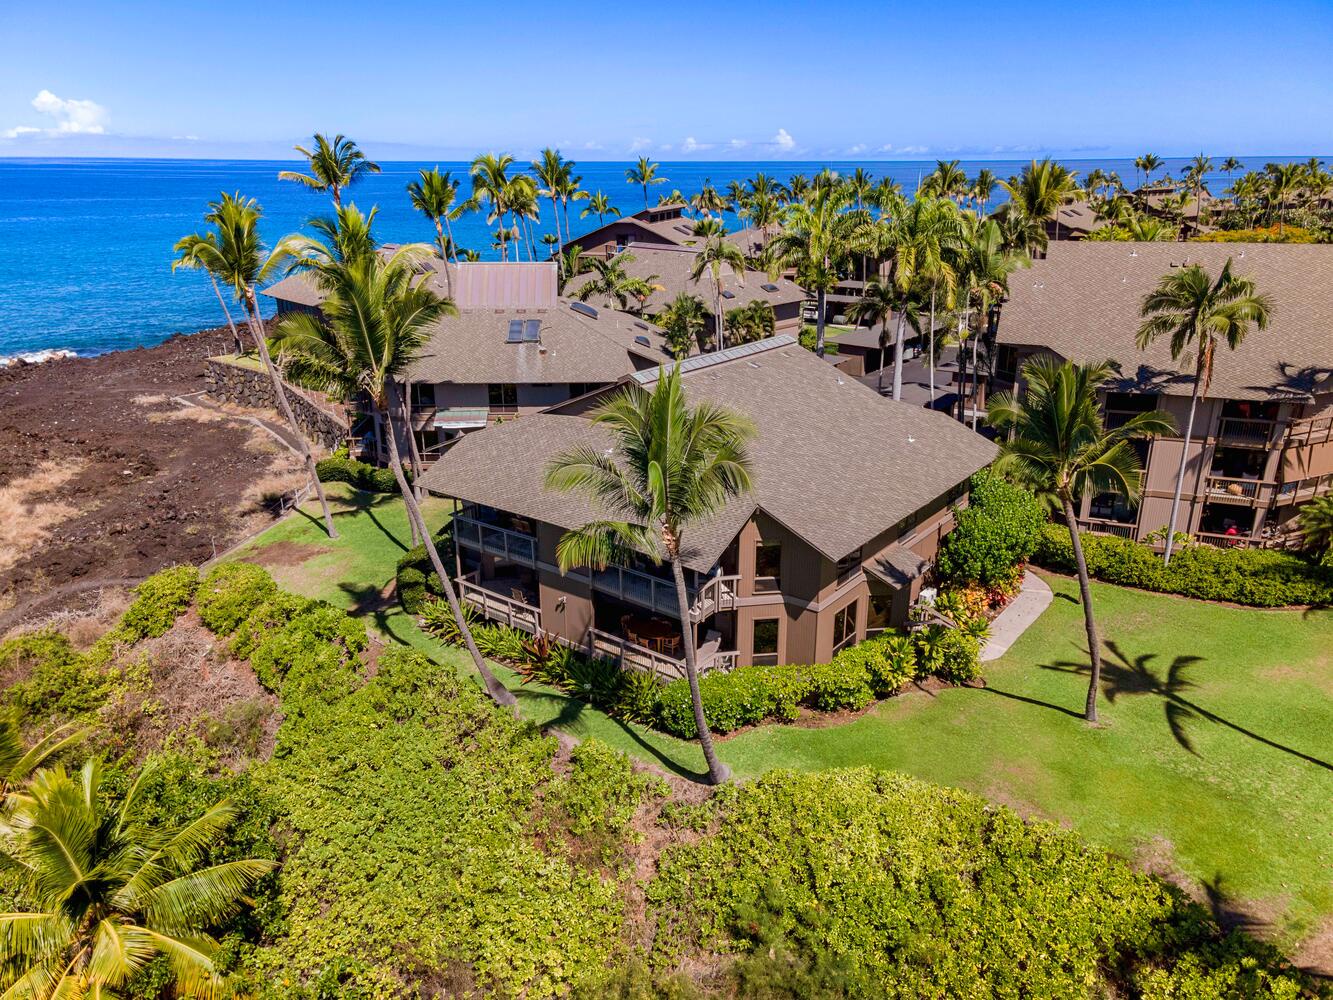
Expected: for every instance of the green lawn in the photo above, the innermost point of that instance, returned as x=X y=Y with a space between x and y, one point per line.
x=1213 y=756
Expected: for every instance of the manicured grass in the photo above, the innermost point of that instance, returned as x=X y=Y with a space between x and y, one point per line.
x=1212 y=758
x=1199 y=764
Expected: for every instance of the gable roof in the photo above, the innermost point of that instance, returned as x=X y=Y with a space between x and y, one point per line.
x=832 y=461
x=575 y=343
x=1082 y=302
x=673 y=265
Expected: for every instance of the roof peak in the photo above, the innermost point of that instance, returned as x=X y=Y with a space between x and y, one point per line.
x=700 y=361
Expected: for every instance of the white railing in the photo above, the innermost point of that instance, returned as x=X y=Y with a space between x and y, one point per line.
x=512 y=545
x=1229 y=489
x=638 y=588
x=718 y=594
x=1099 y=527
x=498 y=608
x=632 y=656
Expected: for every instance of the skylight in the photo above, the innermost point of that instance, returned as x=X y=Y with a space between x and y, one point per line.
x=515 y=332
x=532 y=331
x=727 y=293
x=768 y=286
x=584 y=309
x=643 y=340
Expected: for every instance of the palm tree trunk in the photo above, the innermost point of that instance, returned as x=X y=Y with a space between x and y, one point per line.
x=555 y=217
x=898 y=358
x=1180 y=472
x=235 y=334
x=718 y=334
x=931 y=359
x=1089 y=622
x=500 y=694
x=819 y=322
x=717 y=771
x=975 y=377
x=453 y=247
x=962 y=368
x=280 y=394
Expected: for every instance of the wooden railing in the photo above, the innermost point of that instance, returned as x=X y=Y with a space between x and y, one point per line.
x=1304 y=489
x=1097 y=526
x=1245 y=431
x=1312 y=430
x=498 y=608
x=1221 y=541
x=718 y=594
x=1229 y=489
x=638 y=588
x=515 y=546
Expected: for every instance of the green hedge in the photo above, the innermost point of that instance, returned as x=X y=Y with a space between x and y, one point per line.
x=230 y=592
x=1262 y=578
x=993 y=535
x=338 y=468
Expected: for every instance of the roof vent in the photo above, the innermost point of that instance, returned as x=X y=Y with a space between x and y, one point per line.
x=727 y=293
x=643 y=340
x=515 y=332
x=584 y=309
x=768 y=286
x=642 y=325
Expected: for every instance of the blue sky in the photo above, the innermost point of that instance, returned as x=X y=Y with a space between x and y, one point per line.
x=742 y=80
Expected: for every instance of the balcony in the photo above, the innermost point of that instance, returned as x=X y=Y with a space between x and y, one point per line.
x=1245 y=492
x=636 y=587
x=495 y=539
x=1253 y=433
x=1101 y=526
x=1314 y=430
x=1300 y=490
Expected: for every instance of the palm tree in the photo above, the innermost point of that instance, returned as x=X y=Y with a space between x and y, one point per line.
x=572 y=264
x=1058 y=447
x=713 y=256
x=982 y=265
x=684 y=320
x=1196 y=312
x=817 y=241
x=490 y=184
x=877 y=304
x=234 y=254
x=1230 y=165
x=983 y=189
x=1196 y=176
x=948 y=180
x=521 y=197
x=1315 y=522
x=600 y=205
x=101 y=891
x=1148 y=163
x=1284 y=180
x=18 y=762
x=752 y=322
x=435 y=196
x=1040 y=189
x=335 y=164
x=552 y=170
x=644 y=173
x=375 y=320
x=709 y=201
x=671 y=466
x=189 y=250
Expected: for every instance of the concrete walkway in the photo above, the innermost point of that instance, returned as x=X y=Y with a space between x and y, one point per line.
x=1013 y=621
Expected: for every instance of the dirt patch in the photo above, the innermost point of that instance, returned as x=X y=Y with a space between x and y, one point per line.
x=1315 y=953
x=285 y=553
x=33 y=506
x=151 y=488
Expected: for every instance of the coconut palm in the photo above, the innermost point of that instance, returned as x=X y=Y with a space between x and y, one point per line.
x=684 y=320
x=860 y=183
x=670 y=467
x=751 y=322
x=341 y=238
x=1229 y=166
x=1315 y=522
x=610 y=280
x=100 y=891
x=435 y=196
x=948 y=180
x=1040 y=189
x=983 y=189
x=188 y=249
x=235 y=255
x=817 y=241
x=713 y=256
x=572 y=264
x=335 y=165
x=600 y=205
x=521 y=197
x=709 y=201
x=876 y=306
x=1284 y=180
x=19 y=762
x=1195 y=312
x=552 y=170
x=644 y=173
x=490 y=184
x=377 y=316
x=1149 y=163
x=1058 y=447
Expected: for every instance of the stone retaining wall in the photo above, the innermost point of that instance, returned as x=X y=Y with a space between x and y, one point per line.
x=250 y=387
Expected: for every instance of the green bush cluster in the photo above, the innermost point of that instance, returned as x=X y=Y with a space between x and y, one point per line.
x=230 y=592
x=1263 y=578
x=338 y=468
x=158 y=602
x=993 y=535
x=416 y=581
x=868 y=883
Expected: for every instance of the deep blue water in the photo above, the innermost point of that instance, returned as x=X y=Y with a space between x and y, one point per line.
x=85 y=245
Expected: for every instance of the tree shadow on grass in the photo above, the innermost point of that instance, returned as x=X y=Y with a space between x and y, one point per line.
x=1032 y=701
x=357 y=503
x=369 y=602
x=1124 y=676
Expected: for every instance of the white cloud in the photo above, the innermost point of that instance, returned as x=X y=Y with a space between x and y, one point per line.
x=909 y=150
x=592 y=144
x=784 y=141
x=736 y=144
x=69 y=117
x=858 y=148
x=692 y=145
x=639 y=143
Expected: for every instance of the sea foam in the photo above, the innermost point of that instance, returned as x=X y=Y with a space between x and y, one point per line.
x=36 y=357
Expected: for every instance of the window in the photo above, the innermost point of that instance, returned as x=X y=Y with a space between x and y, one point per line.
x=844 y=627
x=768 y=567
x=502 y=396
x=849 y=565
x=423 y=394
x=579 y=388
x=764 y=645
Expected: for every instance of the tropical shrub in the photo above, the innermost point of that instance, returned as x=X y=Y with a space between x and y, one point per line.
x=1264 y=578
x=230 y=592
x=59 y=683
x=957 y=656
x=158 y=602
x=993 y=535
x=339 y=468
x=639 y=698
x=317 y=641
x=416 y=580
x=1262 y=234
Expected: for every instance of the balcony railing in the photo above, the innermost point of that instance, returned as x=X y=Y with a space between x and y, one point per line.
x=498 y=608
x=1313 y=430
x=1304 y=489
x=632 y=656
x=718 y=594
x=1098 y=526
x=1254 y=432
x=1221 y=541
x=516 y=546
x=1229 y=489
x=635 y=587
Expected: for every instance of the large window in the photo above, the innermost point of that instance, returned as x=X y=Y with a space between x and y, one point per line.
x=423 y=394
x=768 y=567
x=849 y=565
x=503 y=397
x=765 y=642
x=844 y=627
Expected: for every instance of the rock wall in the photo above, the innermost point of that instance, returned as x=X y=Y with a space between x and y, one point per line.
x=252 y=388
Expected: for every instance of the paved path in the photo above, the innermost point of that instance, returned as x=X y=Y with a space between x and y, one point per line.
x=1013 y=621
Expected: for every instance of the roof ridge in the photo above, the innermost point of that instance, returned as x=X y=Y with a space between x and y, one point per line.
x=721 y=357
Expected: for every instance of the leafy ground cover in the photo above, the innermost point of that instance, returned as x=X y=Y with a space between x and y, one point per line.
x=1212 y=761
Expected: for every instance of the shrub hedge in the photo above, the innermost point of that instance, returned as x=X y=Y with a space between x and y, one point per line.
x=230 y=592
x=1263 y=578
x=993 y=535
x=339 y=468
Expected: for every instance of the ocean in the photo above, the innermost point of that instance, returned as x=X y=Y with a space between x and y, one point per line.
x=85 y=245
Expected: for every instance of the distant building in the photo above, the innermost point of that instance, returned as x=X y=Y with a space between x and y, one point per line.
x=1263 y=436
x=852 y=494
x=662 y=226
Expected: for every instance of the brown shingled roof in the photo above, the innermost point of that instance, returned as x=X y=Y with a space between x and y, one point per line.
x=833 y=461
x=1082 y=301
